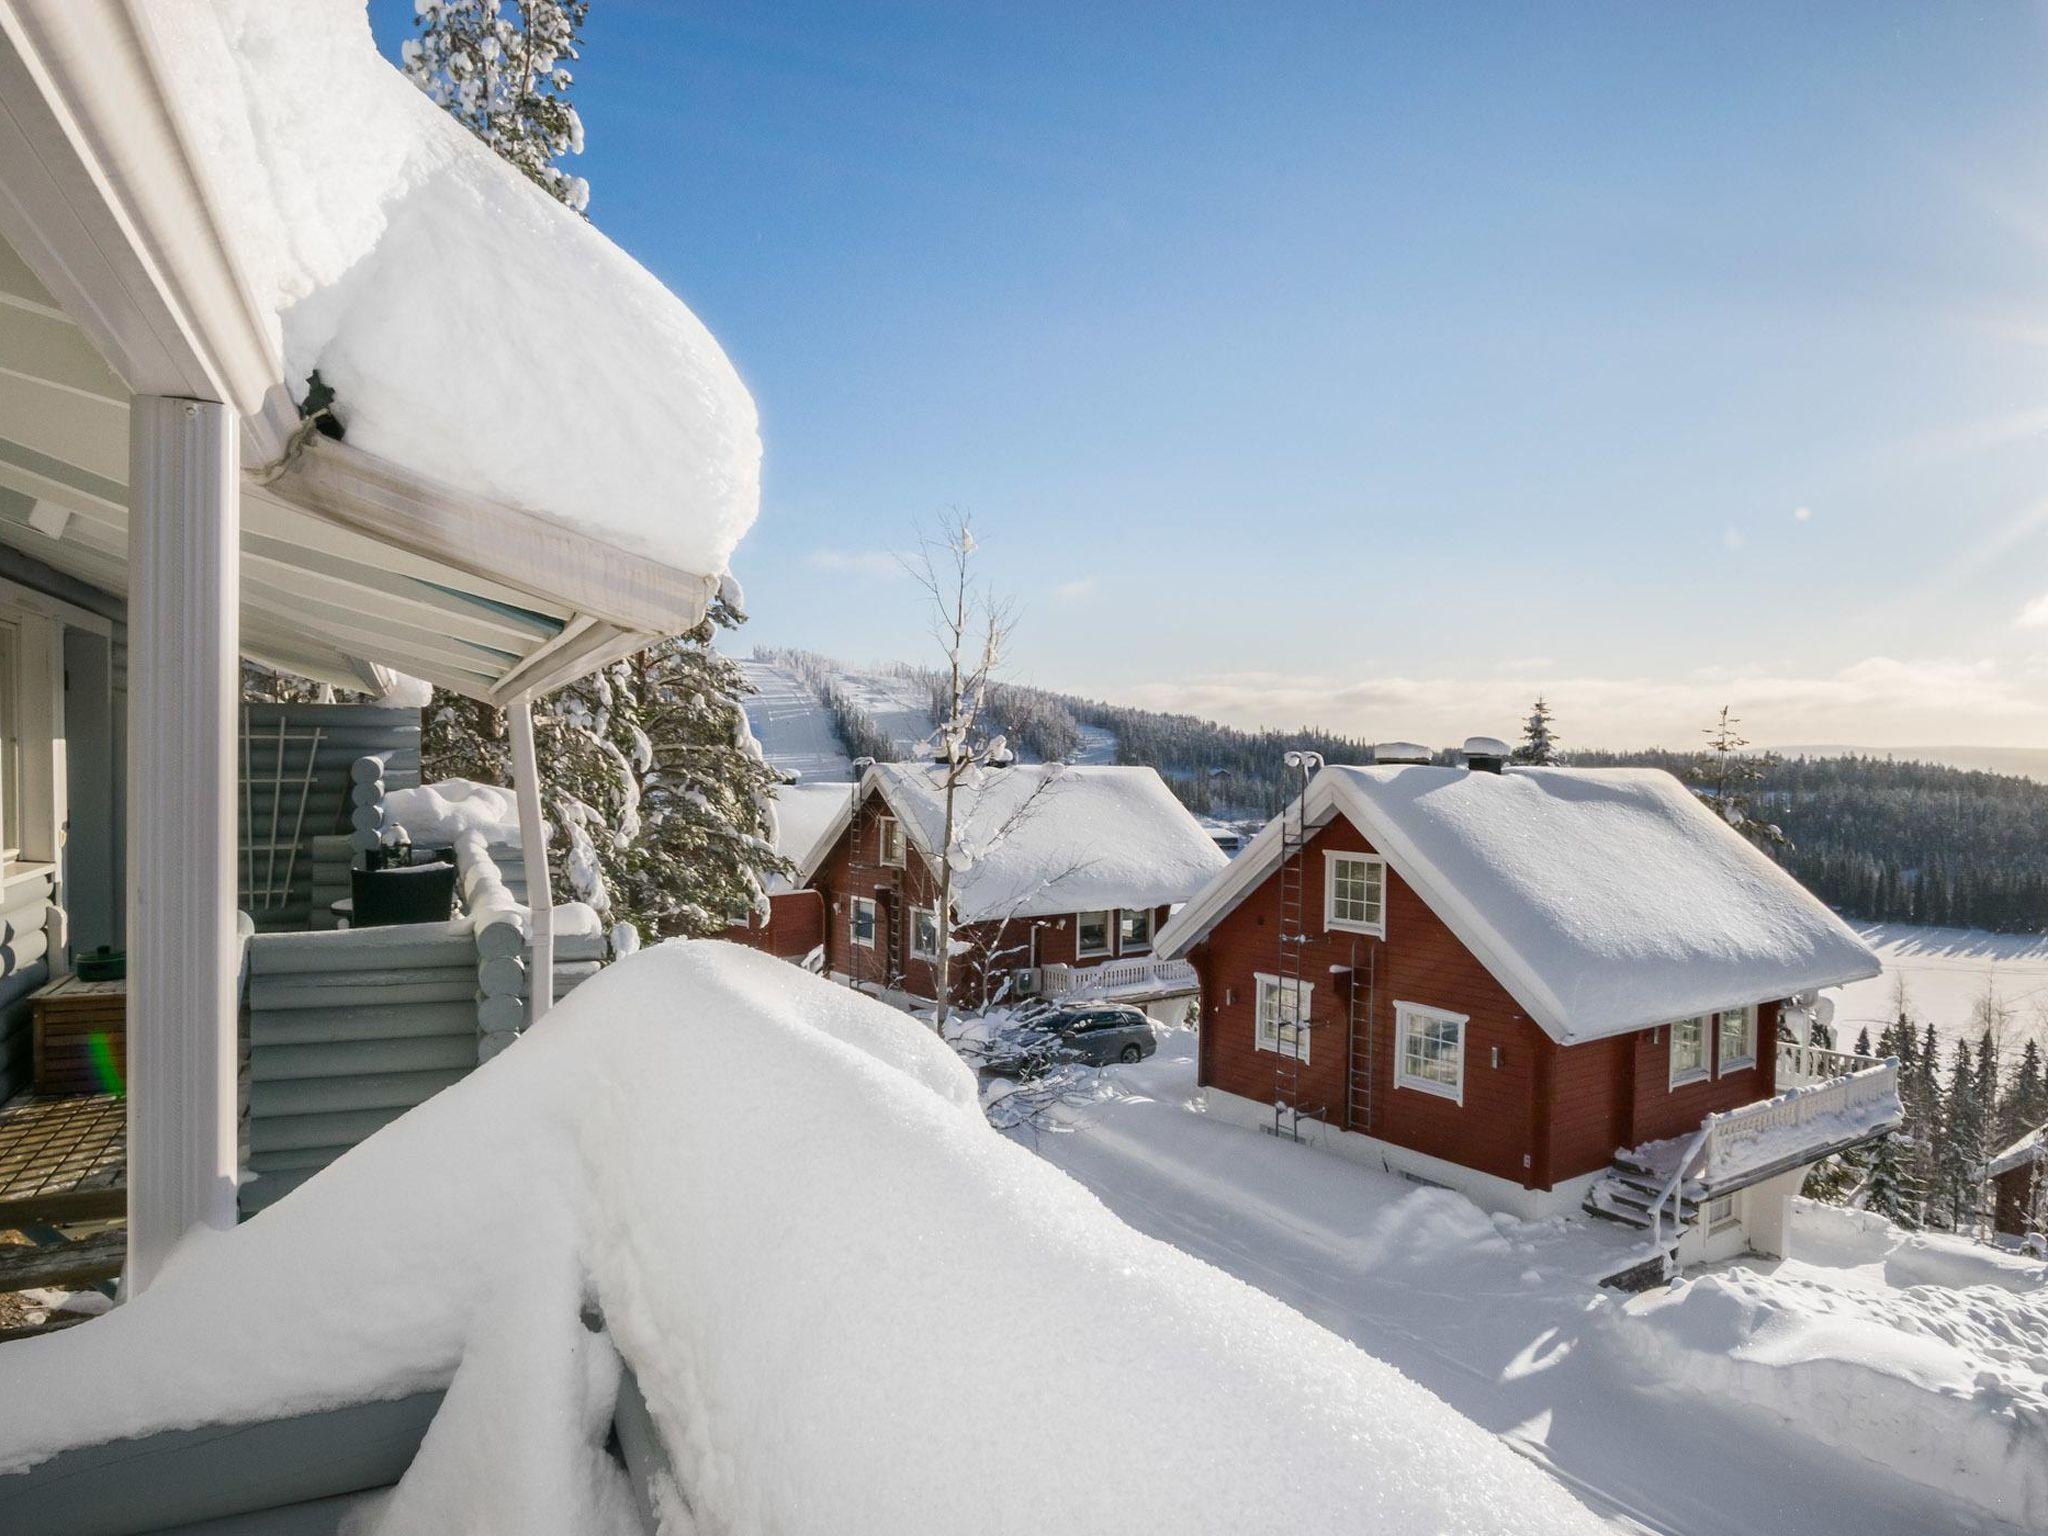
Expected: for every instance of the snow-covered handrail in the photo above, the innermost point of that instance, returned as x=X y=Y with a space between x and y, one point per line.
x=1116 y=976
x=1806 y=1118
x=1694 y=1153
x=1799 y=1063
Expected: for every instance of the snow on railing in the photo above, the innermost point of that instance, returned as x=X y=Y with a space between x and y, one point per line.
x=1117 y=976
x=1808 y=1118
x=1800 y=1064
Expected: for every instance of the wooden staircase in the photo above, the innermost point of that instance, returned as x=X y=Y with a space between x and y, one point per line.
x=1625 y=1194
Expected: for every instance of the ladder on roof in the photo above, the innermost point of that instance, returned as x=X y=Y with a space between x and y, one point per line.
x=1289 y=1007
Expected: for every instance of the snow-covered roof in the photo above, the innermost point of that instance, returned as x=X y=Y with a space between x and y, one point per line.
x=2030 y=1148
x=1035 y=839
x=834 y=1314
x=1604 y=899
x=435 y=815
x=472 y=328
x=803 y=813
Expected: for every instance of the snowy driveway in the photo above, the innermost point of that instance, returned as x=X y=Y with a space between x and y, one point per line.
x=1496 y=1317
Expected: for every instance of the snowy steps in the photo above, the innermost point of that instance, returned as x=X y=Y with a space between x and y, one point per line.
x=1626 y=1194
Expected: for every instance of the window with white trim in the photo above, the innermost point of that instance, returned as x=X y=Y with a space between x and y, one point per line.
x=889 y=837
x=1429 y=1050
x=1280 y=1007
x=1134 y=930
x=1736 y=1041
x=1688 y=1051
x=864 y=921
x=1355 y=893
x=1721 y=1213
x=924 y=933
x=1091 y=934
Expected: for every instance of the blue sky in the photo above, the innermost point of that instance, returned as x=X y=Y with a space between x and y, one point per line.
x=1379 y=365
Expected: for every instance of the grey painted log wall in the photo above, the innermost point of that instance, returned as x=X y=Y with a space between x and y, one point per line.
x=24 y=966
x=347 y=1031
x=348 y=732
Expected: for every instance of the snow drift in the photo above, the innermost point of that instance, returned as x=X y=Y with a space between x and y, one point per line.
x=855 y=1309
x=473 y=329
x=1925 y=1355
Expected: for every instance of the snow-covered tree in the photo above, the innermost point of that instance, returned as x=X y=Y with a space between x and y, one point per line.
x=1886 y=1189
x=1539 y=739
x=1727 y=776
x=1961 y=1152
x=499 y=68
x=656 y=794
x=1863 y=1041
x=2027 y=1100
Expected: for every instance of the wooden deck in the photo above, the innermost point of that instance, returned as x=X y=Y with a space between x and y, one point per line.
x=63 y=1159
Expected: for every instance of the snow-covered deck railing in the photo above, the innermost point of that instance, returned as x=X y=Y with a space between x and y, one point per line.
x=1799 y=1065
x=1154 y=978
x=833 y=1314
x=1815 y=1118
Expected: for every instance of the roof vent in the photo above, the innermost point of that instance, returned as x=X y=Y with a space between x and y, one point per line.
x=1392 y=753
x=1485 y=754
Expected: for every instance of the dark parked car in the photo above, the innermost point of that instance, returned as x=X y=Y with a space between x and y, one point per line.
x=1054 y=1034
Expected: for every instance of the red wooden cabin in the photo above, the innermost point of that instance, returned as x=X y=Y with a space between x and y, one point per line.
x=1062 y=876
x=1544 y=987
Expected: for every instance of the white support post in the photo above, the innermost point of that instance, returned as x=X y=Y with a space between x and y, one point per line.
x=533 y=848
x=184 y=543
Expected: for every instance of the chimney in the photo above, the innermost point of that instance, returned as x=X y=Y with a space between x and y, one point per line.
x=1485 y=754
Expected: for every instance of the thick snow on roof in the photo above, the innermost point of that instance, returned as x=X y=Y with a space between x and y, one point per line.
x=804 y=817
x=842 y=1316
x=1604 y=899
x=435 y=815
x=2032 y=1147
x=473 y=329
x=1040 y=838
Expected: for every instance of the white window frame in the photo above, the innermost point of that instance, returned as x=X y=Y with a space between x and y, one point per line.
x=1723 y=1062
x=1722 y=1214
x=1691 y=1074
x=1336 y=924
x=1266 y=1029
x=1108 y=916
x=1144 y=946
x=874 y=921
x=920 y=915
x=890 y=844
x=1406 y=1016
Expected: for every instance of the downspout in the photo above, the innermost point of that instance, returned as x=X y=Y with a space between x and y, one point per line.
x=533 y=850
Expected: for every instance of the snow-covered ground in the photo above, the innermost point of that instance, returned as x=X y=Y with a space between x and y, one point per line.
x=1946 y=972
x=1777 y=1432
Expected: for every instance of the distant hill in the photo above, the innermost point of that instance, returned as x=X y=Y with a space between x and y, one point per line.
x=1879 y=835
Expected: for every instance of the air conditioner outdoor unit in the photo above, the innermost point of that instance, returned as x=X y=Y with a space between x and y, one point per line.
x=1026 y=981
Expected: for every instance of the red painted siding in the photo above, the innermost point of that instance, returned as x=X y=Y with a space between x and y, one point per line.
x=1534 y=1112
x=795 y=926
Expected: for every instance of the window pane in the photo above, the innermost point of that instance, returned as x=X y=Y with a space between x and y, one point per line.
x=1355 y=887
x=1689 y=1045
x=1093 y=935
x=1137 y=929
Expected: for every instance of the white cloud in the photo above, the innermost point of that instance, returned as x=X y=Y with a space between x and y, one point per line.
x=2035 y=614
x=1802 y=514
x=1068 y=591
x=1879 y=701
x=860 y=562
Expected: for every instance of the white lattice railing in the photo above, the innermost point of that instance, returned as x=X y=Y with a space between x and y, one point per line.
x=1802 y=1064
x=1812 y=1118
x=1117 y=976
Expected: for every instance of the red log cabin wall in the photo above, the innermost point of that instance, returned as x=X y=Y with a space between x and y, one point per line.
x=995 y=948
x=1534 y=1112
x=2013 y=1199
x=795 y=925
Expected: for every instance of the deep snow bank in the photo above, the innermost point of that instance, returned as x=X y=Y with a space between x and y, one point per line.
x=1913 y=1354
x=851 y=1305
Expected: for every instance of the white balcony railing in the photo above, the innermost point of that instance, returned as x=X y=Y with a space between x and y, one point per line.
x=1814 y=1118
x=1799 y=1065
x=1118 y=978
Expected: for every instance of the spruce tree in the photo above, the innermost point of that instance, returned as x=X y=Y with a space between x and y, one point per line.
x=497 y=66
x=1962 y=1137
x=1539 y=740
x=1863 y=1041
x=1886 y=1189
x=2028 y=1097
x=1728 y=777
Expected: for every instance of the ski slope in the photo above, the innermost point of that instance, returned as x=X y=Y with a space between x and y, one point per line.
x=793 y=728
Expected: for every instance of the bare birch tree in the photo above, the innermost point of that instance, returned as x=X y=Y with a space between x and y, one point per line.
x=971 y=628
